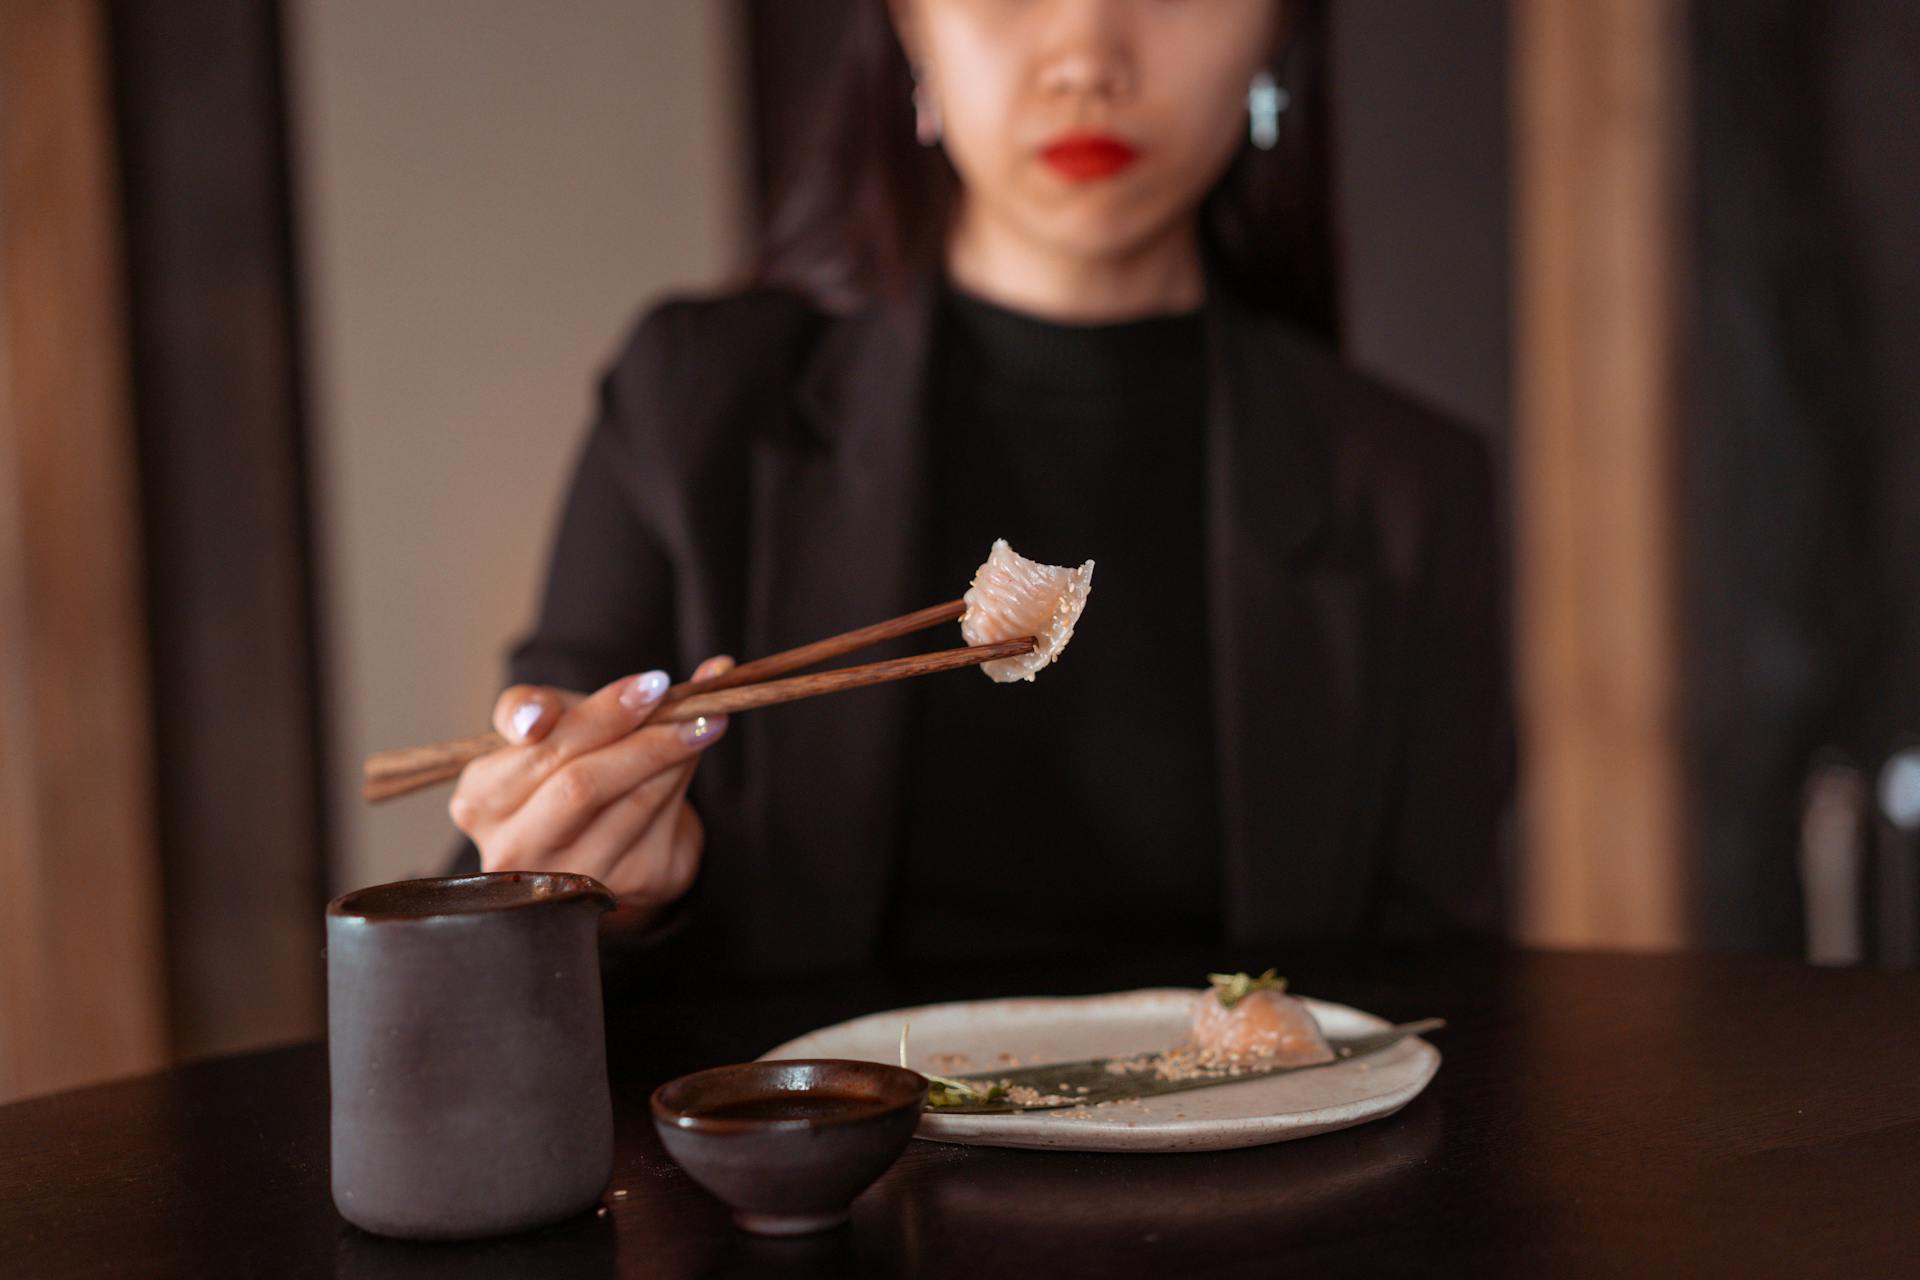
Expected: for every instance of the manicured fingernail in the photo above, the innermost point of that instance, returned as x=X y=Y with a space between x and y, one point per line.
x=525 y=716
x=701 y=730
x=644 y=691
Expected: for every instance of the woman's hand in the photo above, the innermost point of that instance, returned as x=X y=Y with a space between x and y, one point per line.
x=584 y=788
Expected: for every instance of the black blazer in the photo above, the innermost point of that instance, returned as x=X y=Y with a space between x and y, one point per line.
x=757 y=479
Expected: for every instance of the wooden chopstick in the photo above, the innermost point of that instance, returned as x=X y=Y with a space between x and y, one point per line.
x=408 y=769
x=806 y=655
x=771 y=692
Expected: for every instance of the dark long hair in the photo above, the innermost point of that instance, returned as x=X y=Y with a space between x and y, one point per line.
x=868 y=208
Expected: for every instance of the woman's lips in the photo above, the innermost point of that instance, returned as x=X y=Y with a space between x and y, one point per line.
x=1087 y=157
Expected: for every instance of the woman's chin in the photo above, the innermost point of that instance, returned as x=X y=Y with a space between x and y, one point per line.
x=1097 y=238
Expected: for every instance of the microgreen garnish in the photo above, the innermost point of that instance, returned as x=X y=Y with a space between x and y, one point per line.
x=945 y=1091
x=1232 y=988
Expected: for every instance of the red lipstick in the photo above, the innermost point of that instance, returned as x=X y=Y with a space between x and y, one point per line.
x=1088 y=157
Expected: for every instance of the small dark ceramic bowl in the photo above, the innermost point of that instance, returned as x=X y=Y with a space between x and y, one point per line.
x=788 y=1145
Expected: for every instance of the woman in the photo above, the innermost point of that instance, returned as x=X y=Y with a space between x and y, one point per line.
x=1059 y=273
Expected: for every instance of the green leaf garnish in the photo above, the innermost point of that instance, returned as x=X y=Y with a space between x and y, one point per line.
x=945 y=1091
x=1232 y=988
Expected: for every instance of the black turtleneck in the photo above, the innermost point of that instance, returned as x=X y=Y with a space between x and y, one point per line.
x=1079 y=811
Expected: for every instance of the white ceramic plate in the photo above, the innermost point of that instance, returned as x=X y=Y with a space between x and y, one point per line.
x=1035 y=1030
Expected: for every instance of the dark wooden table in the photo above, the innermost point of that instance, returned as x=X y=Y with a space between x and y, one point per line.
x=1596 y=1115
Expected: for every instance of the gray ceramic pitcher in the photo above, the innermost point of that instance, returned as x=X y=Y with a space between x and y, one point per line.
x=468 y=1054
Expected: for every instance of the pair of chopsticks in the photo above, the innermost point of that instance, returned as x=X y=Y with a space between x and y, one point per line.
x=408 y=769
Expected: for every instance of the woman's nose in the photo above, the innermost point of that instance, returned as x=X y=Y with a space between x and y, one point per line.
x=1089 y=53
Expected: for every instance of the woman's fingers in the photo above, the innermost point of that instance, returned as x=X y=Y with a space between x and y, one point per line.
x=566 y=725
x=595 y=791
x=563 y=805
x=607 y=715
x=527 y=712
x=507 y=779
x=623 y=846
x=562 y=726
x=496 y=784
x=718 y=665
x=647 y=847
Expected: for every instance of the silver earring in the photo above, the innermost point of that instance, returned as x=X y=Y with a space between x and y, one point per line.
x=926 y=112
x=1266 y=99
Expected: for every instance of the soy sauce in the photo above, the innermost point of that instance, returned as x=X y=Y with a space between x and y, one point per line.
x=809 y=1104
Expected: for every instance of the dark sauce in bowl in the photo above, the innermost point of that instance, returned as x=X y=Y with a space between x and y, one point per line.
x=805 y=1104
x=784 y=1096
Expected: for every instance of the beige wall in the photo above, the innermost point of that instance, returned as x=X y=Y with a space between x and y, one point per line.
x=488 y=191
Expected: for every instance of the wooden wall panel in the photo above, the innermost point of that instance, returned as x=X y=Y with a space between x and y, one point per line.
x=1599 y=119
x=81 y=992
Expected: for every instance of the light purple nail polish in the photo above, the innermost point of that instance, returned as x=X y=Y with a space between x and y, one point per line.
x=644 y=691
x=525 y=716
x=701 y=730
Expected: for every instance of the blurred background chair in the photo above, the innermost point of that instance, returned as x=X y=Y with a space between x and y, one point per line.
x=1896 y=881
x=1833 y=873
x=1860 y=862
